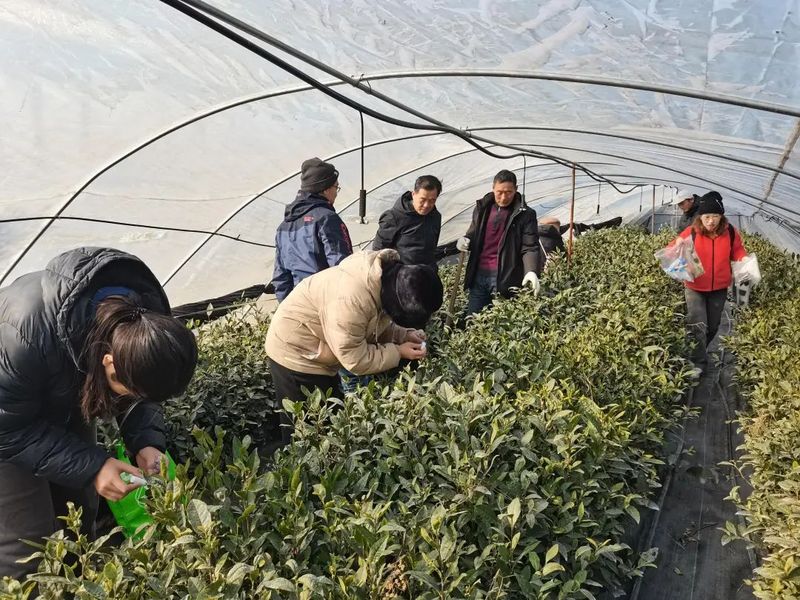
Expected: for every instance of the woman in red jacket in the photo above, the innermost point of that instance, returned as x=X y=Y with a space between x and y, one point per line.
x=717 y=244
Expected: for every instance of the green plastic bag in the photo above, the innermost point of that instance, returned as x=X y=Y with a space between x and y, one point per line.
x=130 y=512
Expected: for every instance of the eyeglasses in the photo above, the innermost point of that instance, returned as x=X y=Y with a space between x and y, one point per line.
x=338 y=188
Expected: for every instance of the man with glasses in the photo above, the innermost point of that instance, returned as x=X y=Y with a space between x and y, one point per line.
x=312 y=236
x=504 y=243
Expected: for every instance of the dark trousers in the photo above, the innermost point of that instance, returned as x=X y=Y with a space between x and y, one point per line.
x=289 y=384
x=29 y=507
x=703 y=314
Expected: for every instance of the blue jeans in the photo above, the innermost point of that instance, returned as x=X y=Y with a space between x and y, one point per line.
x=350 y=381
x=484 y=286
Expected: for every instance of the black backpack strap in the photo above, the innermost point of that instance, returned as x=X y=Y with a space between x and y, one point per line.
x=732 y=235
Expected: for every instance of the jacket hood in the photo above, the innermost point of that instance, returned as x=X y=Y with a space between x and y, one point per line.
x=405 y=203
x=71 y=278
x=303 y=203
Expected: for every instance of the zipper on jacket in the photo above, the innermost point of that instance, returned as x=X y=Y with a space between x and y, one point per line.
x=505 y=233
x=713 y=264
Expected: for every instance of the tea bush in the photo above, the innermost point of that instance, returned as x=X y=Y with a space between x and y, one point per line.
x=766 y=345
x=232 y=387
x=507 y=467
x=607 y=338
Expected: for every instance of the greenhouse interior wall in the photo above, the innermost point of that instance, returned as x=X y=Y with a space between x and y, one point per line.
x=175 y=129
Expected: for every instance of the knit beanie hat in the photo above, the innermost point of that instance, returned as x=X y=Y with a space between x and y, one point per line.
x=410 y=294
x=711 y=204
x=317 y=175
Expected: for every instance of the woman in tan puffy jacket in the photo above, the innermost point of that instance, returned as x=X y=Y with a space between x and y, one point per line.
x=364 y=315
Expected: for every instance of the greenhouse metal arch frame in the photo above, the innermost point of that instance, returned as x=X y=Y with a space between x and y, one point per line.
x=363 y=83
x=383 y=76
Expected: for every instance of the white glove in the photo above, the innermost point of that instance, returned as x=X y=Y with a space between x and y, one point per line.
x=532 y=280
x=462 y=245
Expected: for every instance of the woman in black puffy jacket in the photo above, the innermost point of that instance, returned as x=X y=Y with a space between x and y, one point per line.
x=89 y=336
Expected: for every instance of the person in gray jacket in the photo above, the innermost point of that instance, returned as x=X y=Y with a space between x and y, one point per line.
x=88 y=337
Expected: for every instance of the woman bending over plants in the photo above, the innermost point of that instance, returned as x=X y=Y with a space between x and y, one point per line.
x=89 y=336
x=365 y=315
x=717 y=243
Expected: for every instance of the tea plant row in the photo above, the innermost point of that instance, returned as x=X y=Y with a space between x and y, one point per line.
x=767 y=347
x=509 y=465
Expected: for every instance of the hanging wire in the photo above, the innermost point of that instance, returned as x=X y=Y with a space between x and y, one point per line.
x=186 y=7
x=362 y=193
x=571 y=221
x=216 y=233
x=361 y=115
x=524 y=174
x=599 y=185
x=653 y=212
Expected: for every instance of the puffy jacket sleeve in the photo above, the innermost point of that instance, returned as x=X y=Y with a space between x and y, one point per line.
x=144 y=426
x=532 y=259
x=437 y=231
x=26 y=439
x=394 y=333
x=344 y=324
x=739 y=251
x=387 y=231
x=335 y=239
x=282 y=279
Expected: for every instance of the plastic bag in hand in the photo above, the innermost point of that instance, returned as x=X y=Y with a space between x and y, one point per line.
x=680 y=261
x=746 y=270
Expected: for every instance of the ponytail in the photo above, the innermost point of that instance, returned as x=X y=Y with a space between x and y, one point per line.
x=154 y=356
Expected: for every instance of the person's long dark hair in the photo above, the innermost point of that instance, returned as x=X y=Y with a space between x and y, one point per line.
x=154 y=356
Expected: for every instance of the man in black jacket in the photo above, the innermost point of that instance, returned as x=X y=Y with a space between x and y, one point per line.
x=413 y=224
x=504 y=244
